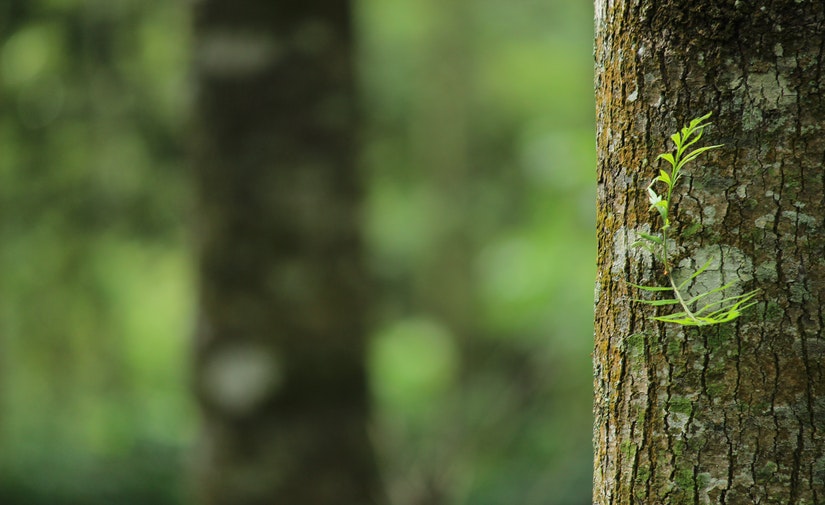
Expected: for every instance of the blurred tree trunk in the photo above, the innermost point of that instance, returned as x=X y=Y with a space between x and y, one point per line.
x=735 y=413
x=279 y=366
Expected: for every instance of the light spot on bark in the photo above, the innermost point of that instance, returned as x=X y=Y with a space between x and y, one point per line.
x=240 y=377
x=743 y=480
x=709 y=483
x=727 y=264
x=619 y=251
x=653 y=89
x=777 y=49
x=772 y=88
x=602 y=9
x=236 y=54
x=819 y=471
x=678 y=421
x=623 y=249
x=766 y=221
x=766 y=271
x=751 y=118
x=799 y=217
x=709 y=215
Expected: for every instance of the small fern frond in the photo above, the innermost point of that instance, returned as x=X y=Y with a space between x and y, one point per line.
x=727 y=308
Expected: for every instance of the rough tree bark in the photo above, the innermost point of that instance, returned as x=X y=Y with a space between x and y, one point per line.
x=729 y=414
x=279 y=363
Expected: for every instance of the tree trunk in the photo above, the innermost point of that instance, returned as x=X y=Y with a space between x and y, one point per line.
x=732 y=413
x=280 y=371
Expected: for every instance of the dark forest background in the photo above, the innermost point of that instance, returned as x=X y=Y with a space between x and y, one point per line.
x=478 y=157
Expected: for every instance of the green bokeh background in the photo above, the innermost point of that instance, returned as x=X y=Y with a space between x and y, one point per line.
x=478 y=159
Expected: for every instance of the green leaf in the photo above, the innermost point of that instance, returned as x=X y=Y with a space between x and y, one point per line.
x=713 y=291
x=697 y=134
x=662 y=207
x=659 y=303
x=678 y=318
x=696 y=122
x=652 y=289
x=694 y=154
x=664 y=177
x=652 y=238
x=667 y=157
x=677 y=139
x=653 y=197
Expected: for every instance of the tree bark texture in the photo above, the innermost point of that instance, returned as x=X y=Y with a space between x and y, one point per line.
x=734 y=413
x=279 y=366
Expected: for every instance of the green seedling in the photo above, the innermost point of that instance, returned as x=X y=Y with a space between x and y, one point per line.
x=694 y=311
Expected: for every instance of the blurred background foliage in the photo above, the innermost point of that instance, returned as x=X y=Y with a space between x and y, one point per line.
x=478 y=158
